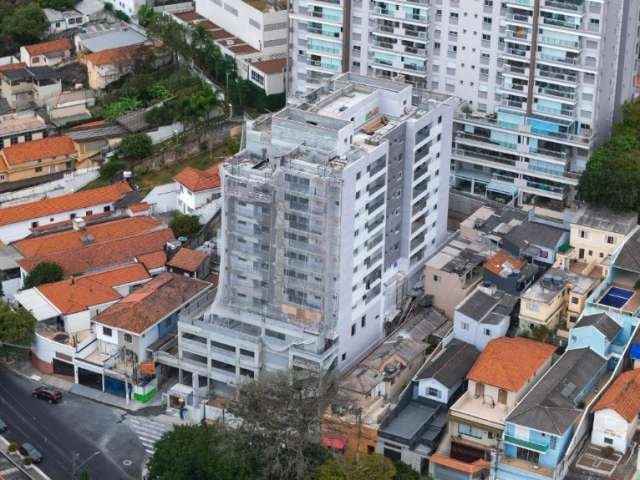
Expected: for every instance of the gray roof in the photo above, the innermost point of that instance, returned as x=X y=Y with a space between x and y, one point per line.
x=26 y=73
x=486 y=308
x=134 y=121
x=113 y=39
x=408 y=422
x=603 y=322
x=451 y=367
x=96 y=133
x=629 y=256
x=536 y=234
x=465 y=261
x=551 y=406
x=606 y=220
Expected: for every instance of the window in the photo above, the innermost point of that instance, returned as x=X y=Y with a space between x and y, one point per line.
x=34 y=224
x=89 y=212
x=464 y=429
x=611 y=239
x=435 y=278
x=363 y=321
x=502 y=396
x=479 y=390
x=608 y=440
x=465 y=325
x=487 y=332
x=107 y=332
x=107 y=208
x=38 y=169
x=433 y=392
x=534 y=307
x=128 y=338
x=575 y=300
x=583 y=234
x=353 y=329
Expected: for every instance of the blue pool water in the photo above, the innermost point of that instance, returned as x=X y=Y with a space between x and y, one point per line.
x=616 y=297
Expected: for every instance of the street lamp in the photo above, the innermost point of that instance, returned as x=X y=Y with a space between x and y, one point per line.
x=75 y=468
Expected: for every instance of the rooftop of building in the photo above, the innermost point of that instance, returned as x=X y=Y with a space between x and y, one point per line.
x=48 y=147
x=95 y=256
x=487 y=307
x=110 y=39
x=21 y=123
x=510 y=363
x=197 y=180
x=603 y=323
x=554 y=281
x=535 y=234
x=267 y=5
x=628 y=258
x=416 y=422
x=606 y=220
x=30 y=74
x=505 y=265
x=623 y=396
x=52 y=46
x=78 y=294
x=451 y=366
x=494 y=222
x=63 y=203
x=152 y=302
x=270 y=67
x=111 y=56
x=153 y=260
x=188 y=260
x=458 y=255
x=552 y=404
x=96 y=233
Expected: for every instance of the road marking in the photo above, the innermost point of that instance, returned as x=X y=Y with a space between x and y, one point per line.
x=148 y=431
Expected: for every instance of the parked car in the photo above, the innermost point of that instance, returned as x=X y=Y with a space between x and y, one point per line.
x=3 y=426
x=48 y=394
x=28 y=450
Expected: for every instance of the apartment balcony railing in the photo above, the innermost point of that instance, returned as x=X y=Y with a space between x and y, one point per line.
x=517 y=17
x=559 y=42
x=539 y=447
x=568 y=5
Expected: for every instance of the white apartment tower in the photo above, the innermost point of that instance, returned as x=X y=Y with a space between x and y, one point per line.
x=543 y=80
x=329 y=214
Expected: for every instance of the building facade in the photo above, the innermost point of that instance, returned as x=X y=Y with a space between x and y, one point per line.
x=329 y=214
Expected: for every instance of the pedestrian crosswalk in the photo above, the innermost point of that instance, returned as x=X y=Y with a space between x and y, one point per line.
x=149 y=431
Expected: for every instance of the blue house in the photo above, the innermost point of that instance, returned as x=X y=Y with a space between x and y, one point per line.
x=538 y=430
x=601 y=333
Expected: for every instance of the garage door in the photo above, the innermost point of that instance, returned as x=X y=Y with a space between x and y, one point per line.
x=89 y=379
x=114 y=386
x=62 y=368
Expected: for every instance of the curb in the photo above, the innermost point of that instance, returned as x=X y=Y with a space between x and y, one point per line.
x=42 y=475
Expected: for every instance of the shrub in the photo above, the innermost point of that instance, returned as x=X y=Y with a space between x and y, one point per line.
x=185 y=225
x=44 y=272
x=13 y=447
x=28 y=461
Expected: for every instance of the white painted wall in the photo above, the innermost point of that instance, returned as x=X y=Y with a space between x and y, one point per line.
x=425 y=384
x=470 y=331
x=608 y=423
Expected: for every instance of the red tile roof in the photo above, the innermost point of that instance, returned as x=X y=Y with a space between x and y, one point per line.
x=153 y=260
x=269 y=67
x=188 y=16
x=510 y=363
x=78 y=294
x=152 y=302
x=470 y=468
x=139 y=207
x=64 y=203
x=114 y=55
x=187 y=260
x=49 y=47
x=72 y=239
x=100 y=255
x=623 y=396
x=496 y=263
x=196 y=180
x=48 y=147
x=12 y=66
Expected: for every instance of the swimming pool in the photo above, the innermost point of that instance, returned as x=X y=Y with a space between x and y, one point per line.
x=616 y=297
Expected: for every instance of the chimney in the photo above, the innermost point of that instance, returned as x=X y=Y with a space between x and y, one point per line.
x=78 y=224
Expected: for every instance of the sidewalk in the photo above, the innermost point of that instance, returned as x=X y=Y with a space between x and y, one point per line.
x=18 y=471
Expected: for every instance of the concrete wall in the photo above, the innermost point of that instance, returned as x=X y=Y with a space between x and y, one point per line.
x=610 y=425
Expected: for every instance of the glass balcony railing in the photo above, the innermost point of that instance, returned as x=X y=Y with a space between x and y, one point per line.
x=538 y=447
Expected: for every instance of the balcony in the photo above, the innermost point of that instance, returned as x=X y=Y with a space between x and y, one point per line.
x=565 y=5
x=558 y=42
x=529 y=445
x=519 y=18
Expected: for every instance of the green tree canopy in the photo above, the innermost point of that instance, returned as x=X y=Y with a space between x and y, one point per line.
x=16 y=325
x=371 y=467
x=146 y=15
x=21 y=25
x=201 y=453
x=58 y=4
x=45 y=272
x=136 y=146
x=185 y=225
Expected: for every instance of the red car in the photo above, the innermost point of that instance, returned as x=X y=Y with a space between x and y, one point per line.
x=48 y=394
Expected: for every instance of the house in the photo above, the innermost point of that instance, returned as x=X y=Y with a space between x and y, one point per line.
x=499 y=378
x=189 y=262
x=94 y=139
x=557 y=299
x=197 y=188
x=367 y=391
x=47 y=54
x=64 y=311
x=22 y=87
x=61 y=21
x=92 y=10
x=600 y=332
x=127 y=329
x=452 y=273
x=23 y=127
x=101 y=37
x=509 y=274
x=538 y=430
x=615 y=419
x=268 y=74
x=107 y=66
x=37 y=158
x=536 y=240
x=413 y=430
x=70 y=106
x=16 y=222
x=483 y=316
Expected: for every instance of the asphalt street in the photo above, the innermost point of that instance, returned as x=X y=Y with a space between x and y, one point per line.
x=74 y=426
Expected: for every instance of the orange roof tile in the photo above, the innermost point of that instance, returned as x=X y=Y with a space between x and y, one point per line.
x=94 y=123
x=188 y=16
x=270 y=67
x=196 y=180
x=153 y=260
x=12 y=66
x=623 y=396
x=37 y=150
x=510 y=363
x=63 y=203
x=114 y=55
x=187 y=260
x=471 y=468
x=70 y=239
x=495 y=263
x=139 y=207
x=78 y=294
x=152 y=302
x=49 y=47
x=100 y=255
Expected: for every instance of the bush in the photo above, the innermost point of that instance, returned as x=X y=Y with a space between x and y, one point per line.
x=13 y=447
x=136 y=146
x=185 y=225
x=28 y=461
x=111 y=168
x=140 y=170
x=44 y=272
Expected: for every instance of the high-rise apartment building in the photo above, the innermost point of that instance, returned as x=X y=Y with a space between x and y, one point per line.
x=329 y=214
x=543 y=80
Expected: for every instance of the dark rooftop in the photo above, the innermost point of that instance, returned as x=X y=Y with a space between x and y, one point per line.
x=486 y=308
x=451 y=367
x=629 y=256
x=604 y=219
x=603 y=322
x=535 y=234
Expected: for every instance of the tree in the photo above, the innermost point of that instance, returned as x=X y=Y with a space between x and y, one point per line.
x=280 y=415
x=201 y=453
x=84 y=475
x=185 y=225
x=136 y=146
x=23 y=25
x=16 y=325
x=44 y=272
x=121 y=106
x=146 y=15
x=372 y=467
x=58 y=4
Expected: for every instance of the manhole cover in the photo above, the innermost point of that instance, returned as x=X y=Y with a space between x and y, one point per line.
x=127 y=463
